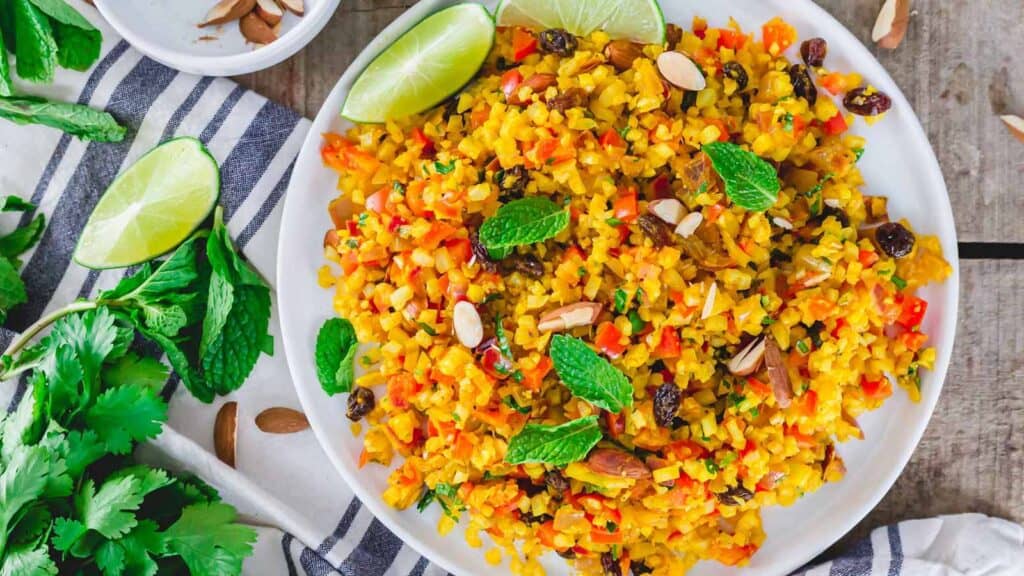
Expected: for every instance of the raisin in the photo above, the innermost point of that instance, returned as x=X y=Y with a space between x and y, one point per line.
x=667 y=398
x=557 y=41
x=527 y=485
x=861 y=103
x=527 y=264
x=814 y=51
x=735 y=496
x=737 y=73
x=610 y=565
x=529 y=518
x=512 y=182
x=639 y=568
x=557 y=484
x=895 y=240
x=689 y=100
x=673 y=36
x=803 y=85
x=480 y=253
x=839 y=214
x=571 y=98
x=658 y=231
x=360 y=403
x=568 y=553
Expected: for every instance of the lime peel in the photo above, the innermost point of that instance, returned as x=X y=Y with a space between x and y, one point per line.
x=637 y=20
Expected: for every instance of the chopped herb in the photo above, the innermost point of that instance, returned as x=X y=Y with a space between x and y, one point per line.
x=820 y=185
x=427 y=328
x=702 y=189
x=456 y=417
x=397 y=187
x=624 y=132
x=787 y=122
x=444 y=168
x=581 y=271
x=446 y=495
x=802 y=347
x=711 y=466
x=513 y=404
x=858 y=153
x=727 y=460
x=352 y=243
x=505 y=348
x=615 y=549
x=612 y=527
x=362 y=219
x=755 y=412
x=900 y=283
x=491 y=298
x=365 y=360
x=767 y=321
x=736 y=399
x=636 y=322
x=621 y=300
x=550 y=161
x=613 y=221
x=766 y=301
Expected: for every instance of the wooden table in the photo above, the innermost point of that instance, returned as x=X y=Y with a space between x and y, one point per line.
x=956 y=66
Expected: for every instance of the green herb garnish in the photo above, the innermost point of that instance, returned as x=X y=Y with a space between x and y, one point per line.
x=621 y=300
x=900 y=283
x=636 y=322
x=446 y=495
x=802 y=347
x=501 y=337
x=750 y=182
x=336 y=346
x=711 y=466
x=444 y=168
x=427 y=328
x=511 y=402
x=787 y=122
x=589 y=376
x=520 y=223
x=613 y=221
x=554 y=445
x=858 y=153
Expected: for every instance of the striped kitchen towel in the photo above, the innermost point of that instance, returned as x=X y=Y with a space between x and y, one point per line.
x=317 y=526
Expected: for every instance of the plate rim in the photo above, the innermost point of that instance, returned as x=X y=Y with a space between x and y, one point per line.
x=868 y=65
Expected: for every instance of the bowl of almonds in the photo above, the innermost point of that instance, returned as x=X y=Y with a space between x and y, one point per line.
x=218 y=37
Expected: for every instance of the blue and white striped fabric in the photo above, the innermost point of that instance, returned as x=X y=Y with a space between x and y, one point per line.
x=281 y=481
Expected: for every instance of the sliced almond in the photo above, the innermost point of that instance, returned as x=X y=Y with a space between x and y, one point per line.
x=891 y=25
x=1015 y=124
x=669 y=210
x=296 y=7
x=778 y=374
x=747 y=360
x=225 y=433
x=269 y=11
x=280 y=420
x=255 y=30
x=226 y=11
x=469 y=329
x=571 y=316
x=681 y=72
x=782 y=223
x=689 y=224
x=709 y=301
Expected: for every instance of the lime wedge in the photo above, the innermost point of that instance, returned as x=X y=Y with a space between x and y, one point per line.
x=152 y=206
x=424 y=66
x=636 y=20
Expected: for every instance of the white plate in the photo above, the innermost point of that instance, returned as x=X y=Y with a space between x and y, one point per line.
x=167 y=31
x=899 y=163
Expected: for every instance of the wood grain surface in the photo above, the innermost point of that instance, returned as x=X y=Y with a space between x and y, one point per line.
x=957 y=68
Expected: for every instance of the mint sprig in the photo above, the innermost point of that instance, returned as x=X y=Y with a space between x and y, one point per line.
x=589 y=376
x=750 y=182
x=555 y=445
x=336 y=347
x=522 y=222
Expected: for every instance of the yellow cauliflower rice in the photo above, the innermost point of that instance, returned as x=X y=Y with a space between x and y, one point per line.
x=697 y=355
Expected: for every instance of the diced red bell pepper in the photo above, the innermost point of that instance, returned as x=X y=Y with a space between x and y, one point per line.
x=524 y=43
x=840 y=324
x=546 y=534
x=836 y=125
x=809 y=403
x=729 y=38
x=510 y=82
x=834 y=83
x=713 y=212
x=914 y=341
x=423 y=140
x=670 y=345
x=867 y=258
x=460 y=250
x=876 y=389
x=700 y=27
x=609 y=340
x=616 y=424
x=761 y=388
x=612 y=139
x=625 y=206
x=912 y=312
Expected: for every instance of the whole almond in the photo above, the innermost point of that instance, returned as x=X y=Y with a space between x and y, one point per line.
x=571 y=316
x=536 y=82
x=622 y=53
x=269 y=11
x=225 y=433
x=228 y=10
x=469 y=329
x=280 y=420
x=255 y=30
x=891 y=25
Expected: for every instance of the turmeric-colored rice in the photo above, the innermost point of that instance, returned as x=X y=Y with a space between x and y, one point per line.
x=804 y=272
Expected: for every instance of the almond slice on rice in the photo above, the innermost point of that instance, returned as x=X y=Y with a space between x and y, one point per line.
x=747 y=360
x=681 y=72
x=689 y=224
x=469 y=329
x=569 y=317
x=669 y=210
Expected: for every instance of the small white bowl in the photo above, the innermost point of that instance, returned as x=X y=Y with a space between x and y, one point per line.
x=168 y=32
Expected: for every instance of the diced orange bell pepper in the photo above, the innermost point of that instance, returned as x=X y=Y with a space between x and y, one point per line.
x=834 y=83
x=609 y=340
x=820 y=308
x=625 y=206
x=602 y=536
x=733 y=555
x=616 y=424
x=546 y=534
x=867 y=258
x=914 y=341
x=778 y=36
x=463 y=447
x=809 y=403
x=524 y=43
x=836 y=125
x=670 y=345
x=439 y=231
x=713 y=212
x=533 y=378
x=349 y=261
x=802 y=440
x=912 y=312
x=729 y=38
x=876 y=389
x=612 y=139
x=424 y=141
x=364 y=457
x=759 y=387
x=377 y=202
x=510 y=82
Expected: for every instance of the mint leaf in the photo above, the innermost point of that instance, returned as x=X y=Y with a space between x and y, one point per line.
x=750 y=182
x=6 y=85
x=75 y=119
x=16 y=204
x=589 y=376
x=35 y=48
x=208 y=539
x=12 y=289
x=522 y=222
x=125 y=415
x=28 y=560
x=21 y=240
x=336 y=347
x=555 y=445
x=148 y=373
x=61 y=12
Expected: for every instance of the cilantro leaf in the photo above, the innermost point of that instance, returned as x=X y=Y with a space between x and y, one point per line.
x=750 y=182
x=35 y=48
x=28 y=560
x=110 y=558
x=22 y=481
x=83 y=447
x=16 y=204
x=208 y=540
x=125 y=415
x=589 y=376
x=89 y=338
x=522 y=222
x=145 y=372
x=555 y=445
x=336 y=347
x=109 y=510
